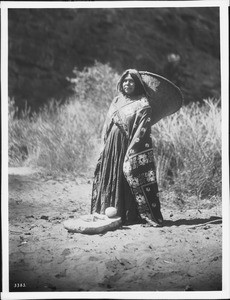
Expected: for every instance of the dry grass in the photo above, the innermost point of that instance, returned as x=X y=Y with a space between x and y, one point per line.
x=65 y=139
x=188 y=150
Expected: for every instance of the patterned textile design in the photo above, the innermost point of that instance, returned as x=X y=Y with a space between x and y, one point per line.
x=132 y=120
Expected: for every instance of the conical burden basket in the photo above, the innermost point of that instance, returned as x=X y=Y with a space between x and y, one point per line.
x=165 y=97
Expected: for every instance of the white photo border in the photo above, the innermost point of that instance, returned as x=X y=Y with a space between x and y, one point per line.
x=223 y=6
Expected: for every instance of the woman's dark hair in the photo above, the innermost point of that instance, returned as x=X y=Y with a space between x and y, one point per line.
x=139 y=84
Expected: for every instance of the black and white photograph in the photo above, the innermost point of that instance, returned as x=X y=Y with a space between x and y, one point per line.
x=115 y=170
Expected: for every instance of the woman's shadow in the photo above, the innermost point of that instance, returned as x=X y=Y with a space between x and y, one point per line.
x=198 y=221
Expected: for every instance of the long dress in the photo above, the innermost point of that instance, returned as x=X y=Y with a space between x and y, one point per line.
x=125 y=175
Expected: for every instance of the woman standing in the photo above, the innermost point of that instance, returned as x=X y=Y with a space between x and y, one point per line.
x=125 y=175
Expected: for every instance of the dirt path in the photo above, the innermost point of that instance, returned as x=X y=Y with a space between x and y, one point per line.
x=185 y=254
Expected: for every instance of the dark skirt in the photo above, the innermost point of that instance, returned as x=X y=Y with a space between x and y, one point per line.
x=110 y=187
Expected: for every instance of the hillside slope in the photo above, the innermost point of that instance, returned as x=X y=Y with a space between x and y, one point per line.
x=45 y=45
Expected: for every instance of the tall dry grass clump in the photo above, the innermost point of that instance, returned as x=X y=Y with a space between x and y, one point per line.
x=187 y=148
x=59 y=139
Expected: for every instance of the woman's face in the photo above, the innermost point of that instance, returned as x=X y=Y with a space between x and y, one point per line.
x=128 y=85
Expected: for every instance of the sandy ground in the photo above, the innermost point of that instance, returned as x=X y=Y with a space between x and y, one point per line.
x=185 y=254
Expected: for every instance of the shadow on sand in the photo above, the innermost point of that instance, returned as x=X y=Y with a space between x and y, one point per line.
x=198 y=221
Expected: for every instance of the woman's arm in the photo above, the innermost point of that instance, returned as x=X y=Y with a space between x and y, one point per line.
x=108 y=121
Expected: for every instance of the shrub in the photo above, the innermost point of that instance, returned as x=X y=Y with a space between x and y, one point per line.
x=95 y=85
